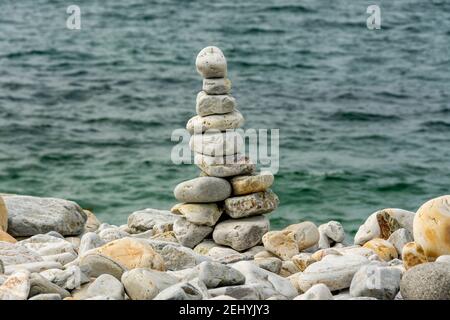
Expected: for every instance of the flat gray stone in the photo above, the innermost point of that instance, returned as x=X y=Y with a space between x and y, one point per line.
x=97 y=264
x=241 y=234
x=149 y=219
x=190 y=234
x=28 y=216
x=251 y=204
x=214 y=274
x=180 y=291
x=108 y=286
x=144 y=284
x=316 y=292
x=203 y=189
x=40 y=285
x=239 y=292
x=427 y=281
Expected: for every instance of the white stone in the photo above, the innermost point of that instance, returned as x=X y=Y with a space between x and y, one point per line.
x=217 y=86
x=316 y=292
x=16 y=286
x=13 y=254
x=399 y=238
x=211 y=63
x=149 y=219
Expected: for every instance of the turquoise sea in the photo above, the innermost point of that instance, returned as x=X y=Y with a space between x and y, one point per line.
x=364 y=115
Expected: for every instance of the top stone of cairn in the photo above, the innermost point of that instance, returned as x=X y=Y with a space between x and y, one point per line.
x=211 y=63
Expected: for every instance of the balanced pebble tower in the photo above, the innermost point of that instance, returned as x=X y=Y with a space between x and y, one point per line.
x=229 y=199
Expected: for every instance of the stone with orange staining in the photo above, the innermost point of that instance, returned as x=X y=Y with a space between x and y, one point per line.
x=132 y=253
x=432 y=227
x=3 y=216
x=6 y=237
x=281 y=243
x=16 y=286
x=412 y=255
x=383 y=248
x=383 y=223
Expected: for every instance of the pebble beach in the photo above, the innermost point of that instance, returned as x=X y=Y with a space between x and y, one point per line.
x=217 y=243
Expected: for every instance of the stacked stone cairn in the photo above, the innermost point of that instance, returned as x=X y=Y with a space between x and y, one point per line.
x=228 y=200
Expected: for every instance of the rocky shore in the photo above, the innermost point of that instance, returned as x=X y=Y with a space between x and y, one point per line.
x=216 y=243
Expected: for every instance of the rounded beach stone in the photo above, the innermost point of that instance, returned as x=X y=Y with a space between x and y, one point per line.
x=242 y=185
x=383 y=248
x=306 y=233
x=132 y=253
x=204 y=247
x=151 y=219
x=180 y=291
x=252 y=204
x=224 y=166
x=428 y=281
x=432 y=227
x=40 y=285
x=143 y=284
x=214 y=274
x=412 y=255
x=179 y=258
x=211 y=63
x=217 y=86
x=190 y=234
x=90 y=240
x=241 y=234
x=281 y=243
x=200 y=213
x=222 y=122
x=46 y=296
x=203 y=189
x=92 y=222
x=334 y=271
x=215 y=143
x=106 y=285
x=28 y=216
x=383 y=223
x=207 y=104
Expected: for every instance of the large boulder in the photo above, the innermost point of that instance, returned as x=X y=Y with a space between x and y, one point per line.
x=28 y=216
x=432 y=227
